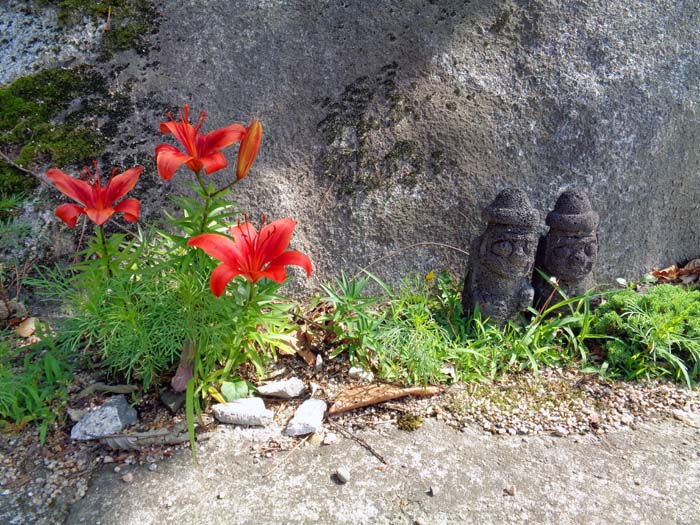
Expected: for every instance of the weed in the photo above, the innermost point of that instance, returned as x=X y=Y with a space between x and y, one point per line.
x=33 y=383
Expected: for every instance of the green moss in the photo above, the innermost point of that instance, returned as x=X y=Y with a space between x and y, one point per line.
x=49 y=117
x=124 y=37
x=129 y=20
x=409 y=422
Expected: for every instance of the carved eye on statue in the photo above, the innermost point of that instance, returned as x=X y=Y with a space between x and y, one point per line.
x=590 y=250
x=502 y=248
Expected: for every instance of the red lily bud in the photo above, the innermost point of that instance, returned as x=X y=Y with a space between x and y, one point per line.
x=249 y=149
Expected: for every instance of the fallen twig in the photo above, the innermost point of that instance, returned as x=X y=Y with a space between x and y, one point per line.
x=361 y=441
x=112 y=389
x=12 y=163
x=376 y=393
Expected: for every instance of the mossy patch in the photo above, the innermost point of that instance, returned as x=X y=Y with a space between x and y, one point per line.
x=130 y=21
x=54 y=116
x=369 y=110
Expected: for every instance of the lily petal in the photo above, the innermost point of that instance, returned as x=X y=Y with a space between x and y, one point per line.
x=99 y=215
x=68 y=213
x=130 y=208
x=249 y=149
x=292 y=258
x=122 y=184
x=169 y=159
x=274 y=273
x=76 y=189
x=220 y=138
x=183 y=131
x=218 y=246
x=213 y=162
x=274 y=238
x=220 y=277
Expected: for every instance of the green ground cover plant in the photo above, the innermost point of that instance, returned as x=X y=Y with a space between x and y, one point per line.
x=415 y=334
x=654 y=334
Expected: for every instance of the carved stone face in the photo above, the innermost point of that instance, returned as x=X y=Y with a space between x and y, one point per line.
x=507 y=253
x=570 y=257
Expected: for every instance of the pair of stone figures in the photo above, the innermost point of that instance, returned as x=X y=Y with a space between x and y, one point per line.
x=502 y=258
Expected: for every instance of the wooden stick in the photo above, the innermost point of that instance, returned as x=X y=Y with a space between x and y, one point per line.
x=361 y=441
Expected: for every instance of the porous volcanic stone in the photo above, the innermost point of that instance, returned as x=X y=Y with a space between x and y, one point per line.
x=110 y=418
x=392 y=125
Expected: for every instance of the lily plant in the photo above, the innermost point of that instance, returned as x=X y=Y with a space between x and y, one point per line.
x=258 y=258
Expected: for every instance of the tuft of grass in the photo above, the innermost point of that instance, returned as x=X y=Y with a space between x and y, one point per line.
x=419 y=334
x=34 y=383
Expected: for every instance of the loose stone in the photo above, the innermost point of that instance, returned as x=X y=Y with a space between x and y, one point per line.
x=509 y=490
x=342 y=475
x=128 y=477
x=249 y=411
x=308 y=418
x=173 y=400
x=287 y=389
x=111 y=418
x=330 y=439
x=361 y=374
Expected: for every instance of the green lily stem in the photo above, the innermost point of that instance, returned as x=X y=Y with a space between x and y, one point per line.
x=227 y=187
x=208 y=197
x=207 y=201
x=251 y=294
x=105 y=250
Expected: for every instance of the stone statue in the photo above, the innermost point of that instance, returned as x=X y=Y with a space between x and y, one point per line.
x=569 y=250
x=501 y=259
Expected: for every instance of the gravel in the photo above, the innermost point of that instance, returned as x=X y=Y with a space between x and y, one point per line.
x=38 y=484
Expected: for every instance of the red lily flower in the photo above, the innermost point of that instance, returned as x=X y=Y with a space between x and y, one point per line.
x=97 y=201
x=249 y=149
x=202 y=149
x=251 y=254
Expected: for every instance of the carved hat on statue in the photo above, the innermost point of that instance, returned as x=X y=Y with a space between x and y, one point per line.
x=572 y=214
x=512 y=208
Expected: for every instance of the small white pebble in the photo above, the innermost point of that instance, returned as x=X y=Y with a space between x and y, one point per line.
x=342 y=475
x=330 y=438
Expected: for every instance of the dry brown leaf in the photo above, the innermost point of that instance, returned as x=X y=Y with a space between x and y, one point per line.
x=667 y=274
x=687 y=274
x=373 y=394
x=300 y=341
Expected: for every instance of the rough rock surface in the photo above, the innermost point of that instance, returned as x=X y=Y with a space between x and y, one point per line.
x=110 y=418
x=648 y=475
x=249 y=411
x=34 y=39
x=395 y=125
x=308 y=418
x=285 y=389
